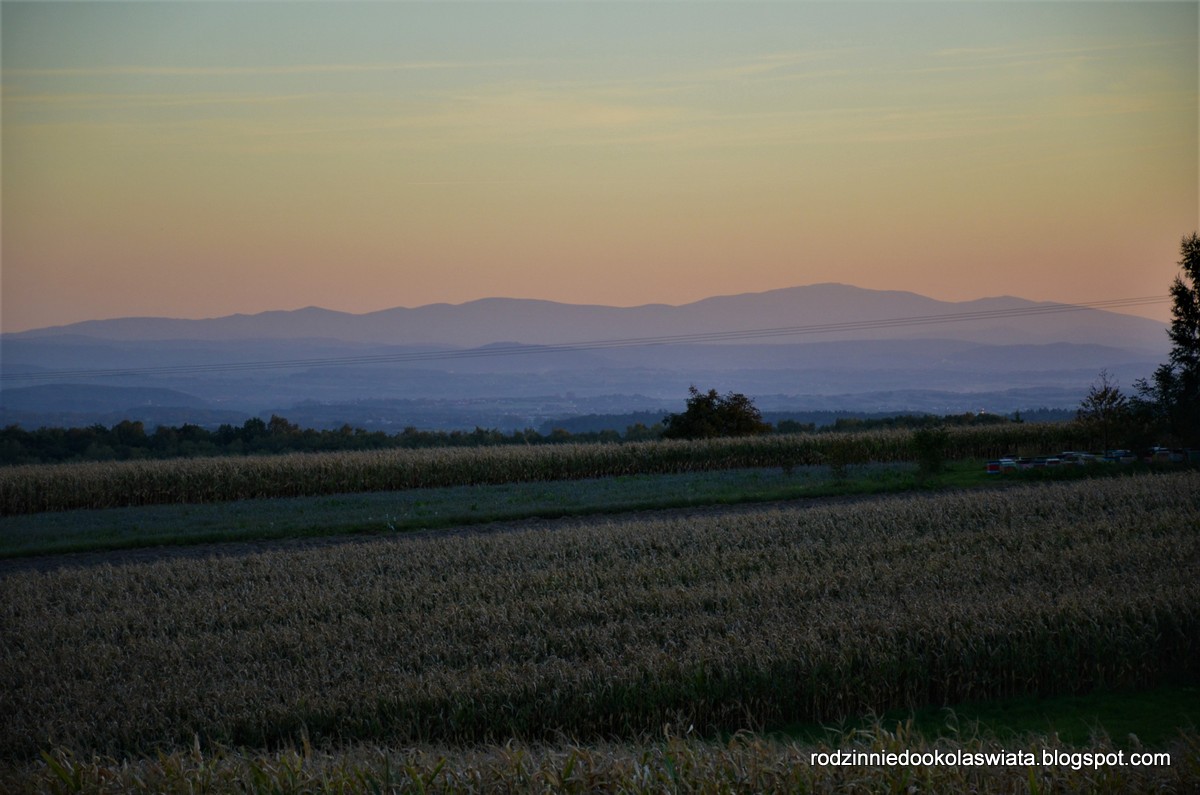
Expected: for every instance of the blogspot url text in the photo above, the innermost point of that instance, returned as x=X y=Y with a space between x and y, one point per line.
x=1076 y=760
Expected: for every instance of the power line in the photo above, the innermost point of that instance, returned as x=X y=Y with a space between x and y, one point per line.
x=628 y=342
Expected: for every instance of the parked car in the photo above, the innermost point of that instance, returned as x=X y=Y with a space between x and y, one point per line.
x=1121 y=456
x=1075 y=457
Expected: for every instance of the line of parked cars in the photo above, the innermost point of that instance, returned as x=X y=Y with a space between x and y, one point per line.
x=1153 y=455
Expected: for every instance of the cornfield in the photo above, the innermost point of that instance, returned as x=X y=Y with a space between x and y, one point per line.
x=672 y=764
x=612 y=628
x=43 y=487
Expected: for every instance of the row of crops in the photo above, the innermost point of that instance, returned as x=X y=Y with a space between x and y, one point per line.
x=670 y=764
x=34 y=488
x=614 y=628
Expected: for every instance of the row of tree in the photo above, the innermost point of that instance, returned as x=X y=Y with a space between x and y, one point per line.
x=707 y=414
x=130 y=440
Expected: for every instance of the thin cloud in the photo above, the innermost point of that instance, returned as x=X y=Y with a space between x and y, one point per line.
x=773 y=64
x=1049 y=52
x=110 y=100
x=240 y=71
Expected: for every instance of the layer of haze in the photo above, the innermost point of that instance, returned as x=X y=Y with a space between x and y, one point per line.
x=201 y=159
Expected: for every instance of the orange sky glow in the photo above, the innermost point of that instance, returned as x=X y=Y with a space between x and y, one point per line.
x=201 y=159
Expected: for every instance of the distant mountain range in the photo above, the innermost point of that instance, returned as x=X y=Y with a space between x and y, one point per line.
x=827 y=311
x=442 y=365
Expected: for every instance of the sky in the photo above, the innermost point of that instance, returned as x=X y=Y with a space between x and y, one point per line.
x=198 y=159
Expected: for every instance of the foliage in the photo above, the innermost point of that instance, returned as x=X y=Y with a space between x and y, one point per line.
x=709 y=415
x=919 y=421
x=1172 y=396
x=840 y=453
x=931 y=446
x=1104 y=411
x=129 y=440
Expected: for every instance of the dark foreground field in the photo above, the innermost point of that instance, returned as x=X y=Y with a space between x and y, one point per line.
x=615 y=653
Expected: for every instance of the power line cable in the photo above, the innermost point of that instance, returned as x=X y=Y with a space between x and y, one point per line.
x=628 y=342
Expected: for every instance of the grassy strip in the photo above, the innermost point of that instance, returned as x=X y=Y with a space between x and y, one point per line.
x=457 y=506
x=397 y=511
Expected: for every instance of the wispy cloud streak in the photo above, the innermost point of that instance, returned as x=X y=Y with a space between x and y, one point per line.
x=242 y=71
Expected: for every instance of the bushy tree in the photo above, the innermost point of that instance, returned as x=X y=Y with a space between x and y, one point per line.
x=1104 y=411
x=639 y=432
x=710 y=414
x=1173 y=393
x=930 y=445
x=280 y=426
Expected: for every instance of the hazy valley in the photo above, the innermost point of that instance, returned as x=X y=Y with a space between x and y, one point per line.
x=510 y=363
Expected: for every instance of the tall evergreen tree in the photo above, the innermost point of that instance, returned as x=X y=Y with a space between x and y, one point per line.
x=1174 y=390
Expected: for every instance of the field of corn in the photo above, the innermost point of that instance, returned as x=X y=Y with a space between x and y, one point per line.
x=611 y=628
x=46 y=487
x=668 y=764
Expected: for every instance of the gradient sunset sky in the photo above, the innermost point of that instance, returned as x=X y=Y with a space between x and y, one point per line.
x=200 y=159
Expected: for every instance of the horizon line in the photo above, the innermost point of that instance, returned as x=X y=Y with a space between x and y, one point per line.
x=1100 y=304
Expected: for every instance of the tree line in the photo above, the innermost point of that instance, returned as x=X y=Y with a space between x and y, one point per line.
x=130 y=440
